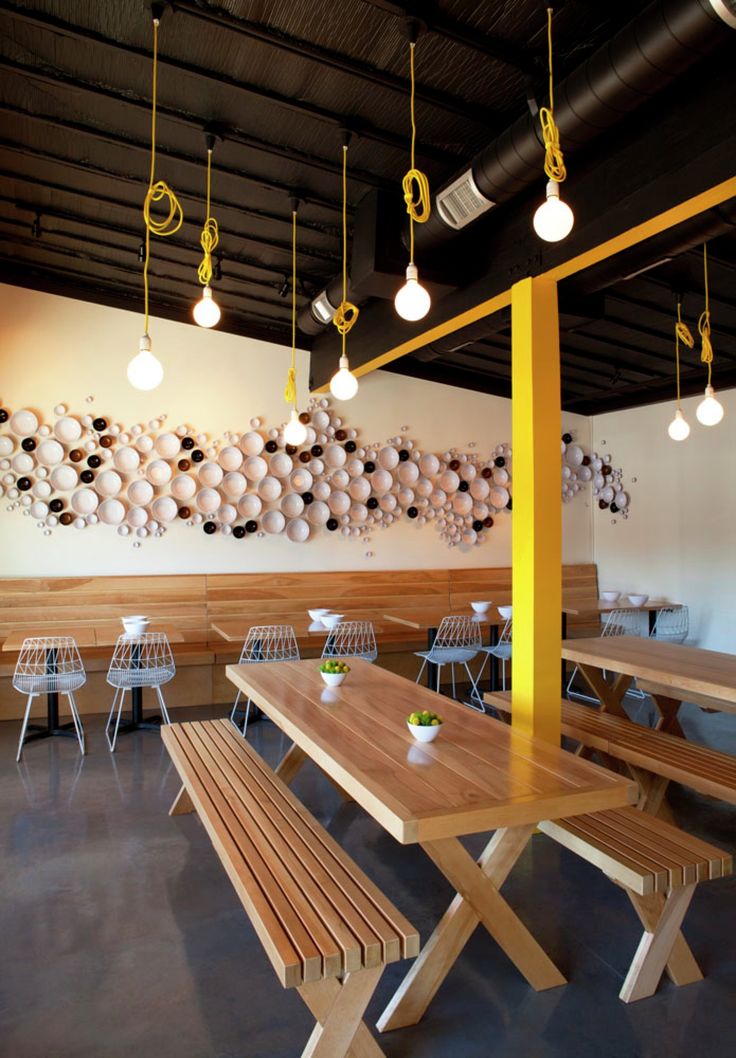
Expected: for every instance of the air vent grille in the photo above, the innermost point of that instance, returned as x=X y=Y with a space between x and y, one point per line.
x=461 y=202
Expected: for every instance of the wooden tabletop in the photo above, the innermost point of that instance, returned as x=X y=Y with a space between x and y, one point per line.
x=674 y=665
x=478 y=775
x=85 y=635
x=424 y=619
x=593 y=606
x=235 y=630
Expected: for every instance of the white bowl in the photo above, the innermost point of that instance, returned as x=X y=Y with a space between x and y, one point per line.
x=638 y=600
x=481 y=607
x=333 y=679
x=610 y=596
x=424 y=732
x=135 y=624
x=331 y=620
x=505 y=612
x=318 y=612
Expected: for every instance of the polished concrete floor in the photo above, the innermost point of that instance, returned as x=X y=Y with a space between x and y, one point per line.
x=120 y=934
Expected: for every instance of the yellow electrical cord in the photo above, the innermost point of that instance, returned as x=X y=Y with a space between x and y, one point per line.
x=290 y=389
x=157 y=190
x=554 y=163
x=419 y=206
x=682 y=334
x=347 y=314
x=210 y=234
x=706 y=351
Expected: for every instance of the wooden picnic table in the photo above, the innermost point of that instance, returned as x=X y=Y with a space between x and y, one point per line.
x=479 y=775
x=670 y=671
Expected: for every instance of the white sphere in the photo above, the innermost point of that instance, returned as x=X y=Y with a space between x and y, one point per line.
x=137 y=517
x=158 y=472
x=7 y=444
x=108 y=483
x=335 y=456
x=126 y=460
x=251 y=443
x=339 y=503
x=301 y=479
x=292 y=504
x=111 y=512
x=320 y=420
x=479 y=488
x=387 y=503
x=359 y=512
x=462 y=503
x=227 y=514
x=585 y=473
x=63 y=478
x=480 y=510
x=438 y=498
x=408 y=473
x=381 y=481
x=359 y=489
x=164 y=509
x=273 y=522
x=424 y=487
x=406 y=497
x=67 y=430
x=210 y=474
x=449 y=481
x=621 y=499
x=249 y=506
x=230 y=458
x=49 y=453
x=429 y=465
x=41 y=490
x=23 y=423
x=144 y=444
x=23 y=463
x=355 y=468
x=341 y=479
x=39 y=509
x=469 y=537
x=321 y=490
x=183 y=487
x=318 y=513
x=388 y=458
x=234 y=484
x=269 y=489
x=574 y=455
x=316 y=467
x=84 y=501
x=297 y=530
x=167 y=445
x=255 y=467
x=467 y=471
x=280 y=465
x=208 y=500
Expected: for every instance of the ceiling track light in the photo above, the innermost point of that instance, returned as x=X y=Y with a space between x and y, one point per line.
x=679 y=428
x=344 y=384
x=412 y=302
x=295 y=431
x=144 y=370
x=554 y=219
x=710 y=411
x=206 y=311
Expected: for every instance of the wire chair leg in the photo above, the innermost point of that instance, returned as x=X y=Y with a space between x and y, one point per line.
x=424 y=665
x=503 y=674
x=234 y=709
x=162 y=703
x=452 y=678
x=119 y=699
x=77 y=722
x=438 y=688
x=24 y=726
x=476 y=700
x=247 y=717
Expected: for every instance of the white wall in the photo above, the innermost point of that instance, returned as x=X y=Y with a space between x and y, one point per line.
x=56 y=350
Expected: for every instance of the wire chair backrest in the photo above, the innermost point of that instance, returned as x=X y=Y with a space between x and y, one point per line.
x=672 y=622
x=141 y=661
x=351 y=639
x=47 y=665
x=505 y=638
x=458 y=631
x=622 y=623
x=269 y=643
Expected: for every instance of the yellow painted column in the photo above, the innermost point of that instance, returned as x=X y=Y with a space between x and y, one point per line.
x=537 y=509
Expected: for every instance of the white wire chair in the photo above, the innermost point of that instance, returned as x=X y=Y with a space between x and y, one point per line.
x=49 y=665
x=500 y=650
x=351 y=639
x=143 y=660
x=264 y=643
x=458 y=642
x=615 y=623
x=672 y=624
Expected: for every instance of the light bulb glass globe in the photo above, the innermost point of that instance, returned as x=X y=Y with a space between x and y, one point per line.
x=144 y=370
x=295 y=432
x=206 y=312
x=554 y=219
x=710 y=411
x=343 y=384
x=412 y=302
x=679 y=428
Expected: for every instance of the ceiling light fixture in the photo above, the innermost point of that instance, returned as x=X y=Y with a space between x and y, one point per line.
x=412 y=301
x=206 y=312
x=679 y=428
x=295 y=432
x=710 y=411
x=344 y=384
x=554 y=219
x=144 y=370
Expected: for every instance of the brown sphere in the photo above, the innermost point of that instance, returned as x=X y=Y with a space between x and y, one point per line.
x=184 y=464
x=106 y=441
x=76 y=455
x=184 y=512
x=305 y=418
x=66 y=518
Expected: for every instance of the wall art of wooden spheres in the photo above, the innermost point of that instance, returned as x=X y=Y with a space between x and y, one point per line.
x=82 y=471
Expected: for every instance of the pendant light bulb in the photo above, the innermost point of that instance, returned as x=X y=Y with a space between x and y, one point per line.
x=412 y=301
x=343 y=384
x=144 y=370
x=554 y=219
x=206 y=312
x=295 y=432
x=710 y=411
x=679 y=428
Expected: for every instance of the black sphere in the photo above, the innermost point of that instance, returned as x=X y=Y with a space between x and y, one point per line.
x=24 y=484
x=99 y=425
x=478 y=525
x=197 y=455
x=602 y=504
x=308 y=498
x=251 y=526
x=411 y=512
x=567 y=438
x=271 y=446
x=316 y=451
x=87 y=477
x=187 y=443
x=93 y=461
x=209 y=528
x=614 y=506
x=510 y=504
x=291 y=450
x=238 y=532
x=499 y=461
x=350 y=446
x=3 y=415
x=403 y=455
x=463 y=486
x=28 y=444
x=371 y=503
x=332 y=524
x=56 y=506
x=369 y=467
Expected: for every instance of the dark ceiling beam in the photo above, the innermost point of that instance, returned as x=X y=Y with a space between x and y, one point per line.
x=693 y=295
x=583 y=373
x=304 y=49
x=477 y=381
x=338 y=121
x=691 y=384
x=46 y=184
x=198 y=163
x=662 y=312
x=196 y=122
x=444 y=26
x=655 y=334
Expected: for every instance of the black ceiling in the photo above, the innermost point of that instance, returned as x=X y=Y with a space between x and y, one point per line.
x=282 y=80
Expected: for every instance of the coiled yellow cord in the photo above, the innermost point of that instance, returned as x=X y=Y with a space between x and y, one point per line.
x=290 y=388
x=210 y=234
x=415 y=183
x=347 y=313
x=706 y=350
x=682 y=334
x=157 y=189
x=554 y=162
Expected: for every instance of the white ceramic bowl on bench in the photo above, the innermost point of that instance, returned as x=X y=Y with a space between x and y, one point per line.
x=135 y=624
x=610 y=596
x=505 y=612
x=481 y=607
x=638 y=600
x=318 y=613
x=331 y=620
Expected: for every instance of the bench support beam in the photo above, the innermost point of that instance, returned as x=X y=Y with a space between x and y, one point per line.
x=656 y=947
x=182 y=804
x=339 y=1010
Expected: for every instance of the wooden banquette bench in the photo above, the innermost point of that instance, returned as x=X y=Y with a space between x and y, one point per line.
x=192 y=602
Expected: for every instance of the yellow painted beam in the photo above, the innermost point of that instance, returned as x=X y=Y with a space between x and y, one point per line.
x=536 y=532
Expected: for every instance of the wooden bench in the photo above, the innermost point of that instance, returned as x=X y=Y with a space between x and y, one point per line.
x=326 y=928
x=652 y=757
x=658 y=866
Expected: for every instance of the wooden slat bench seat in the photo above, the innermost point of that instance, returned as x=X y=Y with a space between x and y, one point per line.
x=653 y=757
x=658 y=866
x=326 y=928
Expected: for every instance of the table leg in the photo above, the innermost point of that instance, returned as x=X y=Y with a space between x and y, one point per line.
x=611 y=695
x=52 y=726
x=478 y=900
x=668 y=710
x=137 y=721
x=652 y=620
x=431 y=667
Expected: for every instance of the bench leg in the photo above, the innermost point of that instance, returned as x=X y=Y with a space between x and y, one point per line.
x=682 y=968
x=478 y=900
x=610 y=695
x=656 y=947
x=668 y=710
x=652 y=794
x=291 y=764
x=182 y=803
x=339 y=1008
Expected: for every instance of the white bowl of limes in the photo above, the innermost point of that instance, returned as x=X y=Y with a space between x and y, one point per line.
x=333 y=672
x=424 y=725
